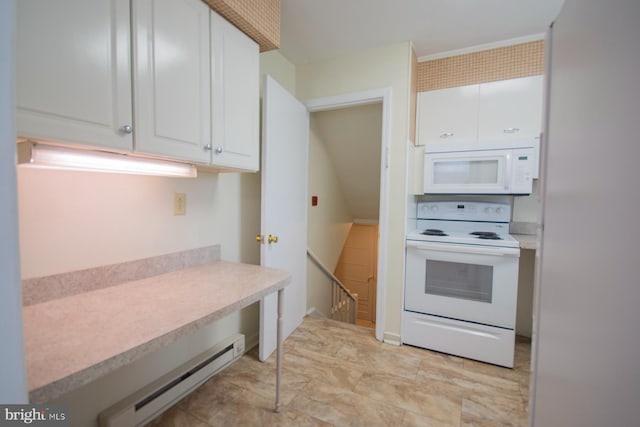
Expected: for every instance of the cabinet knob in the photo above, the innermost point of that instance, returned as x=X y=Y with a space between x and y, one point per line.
x=126 y=129
x=272 y=239
x=511 y=130
x=260 y=238
x=219 y=150
x=208 y=147
x=446 y=135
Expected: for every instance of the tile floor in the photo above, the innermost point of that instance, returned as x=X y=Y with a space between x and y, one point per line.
x=335 y=374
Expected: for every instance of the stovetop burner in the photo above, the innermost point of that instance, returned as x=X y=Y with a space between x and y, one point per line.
x=434 y=232
x=487 y=235
x=480 y=224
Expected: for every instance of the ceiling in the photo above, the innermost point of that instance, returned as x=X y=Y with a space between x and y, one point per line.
x=313 y=30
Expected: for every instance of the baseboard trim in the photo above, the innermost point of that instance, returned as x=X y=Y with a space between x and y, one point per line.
x=391 y=338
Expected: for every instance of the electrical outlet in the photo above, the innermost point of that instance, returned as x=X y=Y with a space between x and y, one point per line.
x=179 y=203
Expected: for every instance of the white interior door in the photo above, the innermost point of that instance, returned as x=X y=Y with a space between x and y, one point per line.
x=285 y=147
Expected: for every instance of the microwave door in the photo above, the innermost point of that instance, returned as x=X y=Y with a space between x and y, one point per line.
x=466 y=173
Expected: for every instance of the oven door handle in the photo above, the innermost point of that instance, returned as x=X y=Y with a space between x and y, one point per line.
x=464 y=249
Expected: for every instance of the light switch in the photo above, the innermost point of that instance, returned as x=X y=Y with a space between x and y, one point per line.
x=179 y=203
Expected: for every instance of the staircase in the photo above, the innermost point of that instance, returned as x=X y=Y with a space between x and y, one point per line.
x=344 y=304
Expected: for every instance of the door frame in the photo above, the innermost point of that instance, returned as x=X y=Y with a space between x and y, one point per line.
x=352 y=99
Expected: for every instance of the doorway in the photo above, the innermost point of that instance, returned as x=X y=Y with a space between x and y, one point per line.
x=378 y=102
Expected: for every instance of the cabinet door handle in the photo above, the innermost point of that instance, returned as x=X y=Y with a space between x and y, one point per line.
x=127 y=129
x=511 y=130
x=219 y=150
x=446 y=135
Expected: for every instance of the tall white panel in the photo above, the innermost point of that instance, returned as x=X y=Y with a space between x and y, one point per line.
x=587 y=344
x=13 y=386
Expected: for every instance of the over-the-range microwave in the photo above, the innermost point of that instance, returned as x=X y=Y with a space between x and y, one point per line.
x=479 y=168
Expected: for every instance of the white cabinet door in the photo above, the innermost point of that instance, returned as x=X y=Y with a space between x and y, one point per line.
x=172 y=78
x=73 y=75
x=510 y=109
x=235 y=97
x=448 y=114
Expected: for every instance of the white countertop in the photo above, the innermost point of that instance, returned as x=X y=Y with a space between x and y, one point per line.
x=527 y=241
x=73 y=340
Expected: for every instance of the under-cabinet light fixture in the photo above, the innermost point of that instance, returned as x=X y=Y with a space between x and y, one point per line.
x=54 y=157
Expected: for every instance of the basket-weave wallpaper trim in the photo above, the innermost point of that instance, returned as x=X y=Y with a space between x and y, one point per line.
x=259 y=19
x=510 y=62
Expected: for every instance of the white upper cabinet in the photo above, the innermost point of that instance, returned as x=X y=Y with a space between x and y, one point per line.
x=505 y=109
x=171 y=83
x=511 y=109
x=73 y=72
x=448 y=115
x=235 y=97
x=161 y=78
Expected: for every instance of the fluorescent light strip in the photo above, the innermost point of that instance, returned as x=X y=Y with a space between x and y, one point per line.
x=53 y=157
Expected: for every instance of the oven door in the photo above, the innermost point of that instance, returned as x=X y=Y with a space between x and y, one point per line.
x=465 y=282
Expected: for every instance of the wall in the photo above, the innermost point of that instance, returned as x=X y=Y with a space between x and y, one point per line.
x=279 y=67
x=386 y=67
x=352 y=137
x=13 y=387
x=503 y=63
x=328 y=223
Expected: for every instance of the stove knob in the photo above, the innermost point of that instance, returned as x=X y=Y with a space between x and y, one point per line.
x=488 y=210
x=499 y=211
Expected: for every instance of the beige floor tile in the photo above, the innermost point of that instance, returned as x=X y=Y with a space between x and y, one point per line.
x=328 y=369
x=412 y=419
x=335 y=374
x=465 y=379
x=503 y=409
x=175 y=417
x=348 y=410
x=378 y=357
x=399 y=392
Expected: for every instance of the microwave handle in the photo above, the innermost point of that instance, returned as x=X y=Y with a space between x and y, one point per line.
x=507 y=170
x=425 y=246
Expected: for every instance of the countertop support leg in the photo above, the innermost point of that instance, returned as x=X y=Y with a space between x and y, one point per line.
x=279 y=348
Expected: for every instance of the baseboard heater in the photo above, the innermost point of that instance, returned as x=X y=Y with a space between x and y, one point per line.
x=149 y=402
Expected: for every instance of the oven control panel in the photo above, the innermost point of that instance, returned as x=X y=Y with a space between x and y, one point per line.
x=465 y=211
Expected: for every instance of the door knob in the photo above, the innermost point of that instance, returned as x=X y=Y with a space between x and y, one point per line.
x=260 y=238
x=272 y=239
